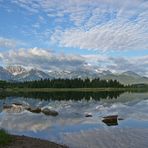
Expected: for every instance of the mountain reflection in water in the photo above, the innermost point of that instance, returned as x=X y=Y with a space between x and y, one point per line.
x=71 y=124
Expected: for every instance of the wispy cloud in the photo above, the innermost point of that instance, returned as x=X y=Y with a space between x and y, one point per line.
x=114 y=28
x=101 y=25
x=111 y=36
x=10 y=43
x=7 y=43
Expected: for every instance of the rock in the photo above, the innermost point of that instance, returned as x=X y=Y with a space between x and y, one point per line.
x=111 y=120
x=24 y=106
x=34 y=110
x=18 y=107
x=17 y=104
x=49 y=112
x=120 y=119
x=88 y=115
x=7 y=106
x=13 y=108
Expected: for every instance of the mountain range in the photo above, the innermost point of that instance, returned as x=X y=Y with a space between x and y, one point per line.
x=18 y=73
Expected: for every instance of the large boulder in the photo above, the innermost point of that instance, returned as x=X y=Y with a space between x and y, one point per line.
x=49 y=112
x=13 y=108
x=88 y=115
x=35 y=110
x=111 y=120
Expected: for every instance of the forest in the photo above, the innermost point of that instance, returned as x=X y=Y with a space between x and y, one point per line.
x=63 y=83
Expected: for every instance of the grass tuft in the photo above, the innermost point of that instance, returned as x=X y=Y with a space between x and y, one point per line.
x=5 y=138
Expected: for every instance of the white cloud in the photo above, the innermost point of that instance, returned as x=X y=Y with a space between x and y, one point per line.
x=110 y=26
x=101 y=25
x=10 y=43
x=111 y=36
x=48 y=60
x=43 y=59
x=135 y=64
x=1 y=56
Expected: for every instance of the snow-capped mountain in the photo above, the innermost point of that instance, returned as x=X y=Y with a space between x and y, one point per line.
x=80 y=73
x=128 y=77
x=5 y=75
x=15 y=70
x=33 y=74
x=60 y=74
x=18 y=73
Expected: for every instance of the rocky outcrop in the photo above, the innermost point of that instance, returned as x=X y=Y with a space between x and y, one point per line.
x=49 y=112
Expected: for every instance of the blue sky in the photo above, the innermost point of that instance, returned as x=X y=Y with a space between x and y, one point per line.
x=73 y=34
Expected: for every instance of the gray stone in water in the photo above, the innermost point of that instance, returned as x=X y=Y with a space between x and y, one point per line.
x=88 y=115
x=7 y=106
x=34 y=110
x=49 y=112
x=17 y=104
x=13 y=108
x=111 y=120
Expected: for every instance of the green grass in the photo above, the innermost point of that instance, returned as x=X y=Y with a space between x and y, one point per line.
x=5 y=138
x=72 y=89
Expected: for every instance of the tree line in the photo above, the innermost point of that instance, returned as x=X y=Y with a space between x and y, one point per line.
x=63 y=83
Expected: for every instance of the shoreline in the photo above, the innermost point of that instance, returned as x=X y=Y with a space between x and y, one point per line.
x=73 y=89
x=29 y=142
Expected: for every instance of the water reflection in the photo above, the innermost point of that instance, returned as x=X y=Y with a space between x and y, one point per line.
x=64 y=95
x=72 y=123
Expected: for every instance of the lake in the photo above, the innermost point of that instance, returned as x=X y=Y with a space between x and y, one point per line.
x=81 y=122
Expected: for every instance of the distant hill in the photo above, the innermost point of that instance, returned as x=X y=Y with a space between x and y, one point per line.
x=5 y=75
x=127 y=78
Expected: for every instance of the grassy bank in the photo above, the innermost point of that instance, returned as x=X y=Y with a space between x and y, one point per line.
x=72 y=89
x=5 y=138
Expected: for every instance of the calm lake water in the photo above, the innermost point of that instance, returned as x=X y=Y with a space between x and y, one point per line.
x=72 y=128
